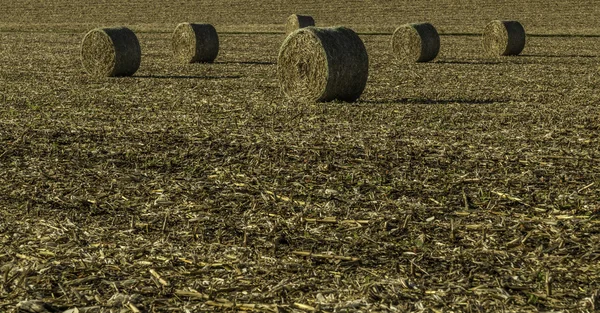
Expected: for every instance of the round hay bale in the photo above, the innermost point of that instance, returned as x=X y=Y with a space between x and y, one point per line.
x=111 y=52
x=419 y=42
x=323 y=64
x=195 y=43
x=503 y=38
x=295 y=22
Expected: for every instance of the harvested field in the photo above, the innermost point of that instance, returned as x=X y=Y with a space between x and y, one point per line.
x=463 y=184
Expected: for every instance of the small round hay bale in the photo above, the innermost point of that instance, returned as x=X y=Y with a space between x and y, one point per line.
x=419 y=42
x=295 y=22
x=323 y=64
x=503 y=38
x=195 y=43
x=111 y=52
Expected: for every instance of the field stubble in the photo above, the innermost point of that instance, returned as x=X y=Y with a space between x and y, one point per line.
x=464 y=184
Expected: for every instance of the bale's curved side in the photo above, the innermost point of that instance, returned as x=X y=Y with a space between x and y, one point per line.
x=418 y=42
x=348 y=63
x=111 y=52
x=323 y=64
x=501 y=38
x=295 y=22
x=195 y=43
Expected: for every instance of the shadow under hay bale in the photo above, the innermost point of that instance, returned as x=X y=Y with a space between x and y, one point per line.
x=194 y=43
x=501 y=38
x=295 y=22
x=323 y=64
x=418 y=42
x=111 y=52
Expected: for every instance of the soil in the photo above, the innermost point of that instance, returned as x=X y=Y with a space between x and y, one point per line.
x=467 y=184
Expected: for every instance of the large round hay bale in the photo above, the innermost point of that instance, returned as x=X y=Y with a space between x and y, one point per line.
x=111 y=52
x=323 y=64
x=503 y=38
x=295 y=22
x=419 y=42
x=195 y=43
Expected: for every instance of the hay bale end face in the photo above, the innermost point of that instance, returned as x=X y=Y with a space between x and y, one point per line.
x=295 y=22
x=419 y=42
x=111 y=52
x=195 y=43
x=323 y=64
x=503 y=38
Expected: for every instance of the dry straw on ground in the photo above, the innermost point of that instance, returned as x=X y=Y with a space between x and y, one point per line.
x=195 y=43
x=111 y=52
x=323 y=64
x=295 y=22
x=419 y=42
x=503 y=38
